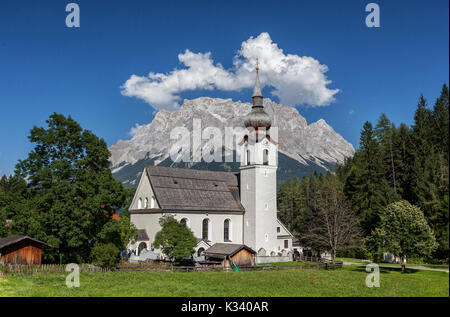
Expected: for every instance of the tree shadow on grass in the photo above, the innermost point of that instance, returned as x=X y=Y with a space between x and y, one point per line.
x=436 y=266
x=386 y=270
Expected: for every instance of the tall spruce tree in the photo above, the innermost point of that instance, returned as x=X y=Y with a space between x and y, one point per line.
x=289 y=200
x=424 y=163
x=401 y=149
x=441 y=123
x=366 y=187
x=440 y=219
x=384 y=133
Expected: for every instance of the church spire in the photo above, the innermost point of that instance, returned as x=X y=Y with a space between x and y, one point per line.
x=257 y=118
x=257 y=90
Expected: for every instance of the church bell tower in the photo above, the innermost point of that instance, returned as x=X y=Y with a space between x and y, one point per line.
x=259 y=178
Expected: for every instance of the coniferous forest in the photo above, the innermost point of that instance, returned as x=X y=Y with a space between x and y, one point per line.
x=392 y=163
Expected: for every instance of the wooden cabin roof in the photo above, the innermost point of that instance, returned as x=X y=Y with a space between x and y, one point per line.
x=223 y=250
x=17 y=238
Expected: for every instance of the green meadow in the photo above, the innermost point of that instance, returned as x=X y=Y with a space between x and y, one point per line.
x=347 y=282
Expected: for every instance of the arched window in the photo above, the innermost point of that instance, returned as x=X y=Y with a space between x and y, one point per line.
x=227 y=230
x=205 y=229
x=146 y=202
x=142 y=246
x=266 y=157
x=152 y=202
x=185 y=221
x=200 y=251
x=140 y=203
x=248 y=157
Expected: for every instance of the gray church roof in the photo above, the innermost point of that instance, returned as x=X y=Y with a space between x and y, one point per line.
x=195 y=190
x=142 y=235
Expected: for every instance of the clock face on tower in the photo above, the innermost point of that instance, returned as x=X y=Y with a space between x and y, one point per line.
x=265 y=142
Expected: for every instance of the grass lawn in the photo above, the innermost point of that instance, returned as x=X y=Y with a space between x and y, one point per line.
x=349 y=281
x=412 y=263
x=286 y=263
x=435 y=266
x=350 y=260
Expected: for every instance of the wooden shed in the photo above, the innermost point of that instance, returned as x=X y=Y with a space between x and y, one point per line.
x=239 y=254
x=17 y=249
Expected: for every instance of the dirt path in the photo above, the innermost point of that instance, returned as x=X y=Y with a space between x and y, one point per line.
x=414 y=267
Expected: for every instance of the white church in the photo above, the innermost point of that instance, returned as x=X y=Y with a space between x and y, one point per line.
x=224 y=210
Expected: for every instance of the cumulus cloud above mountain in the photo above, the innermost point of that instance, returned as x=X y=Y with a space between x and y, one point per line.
x=294 y=79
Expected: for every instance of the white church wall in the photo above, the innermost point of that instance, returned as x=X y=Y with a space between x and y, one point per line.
x=256 y=152
x=281 y=244
x=216 y=225
x=248 y=201
x=144 y=191
x=258 y=195
x=273 y=259
x=150 y=222
x=266 y=207
x=283 y=236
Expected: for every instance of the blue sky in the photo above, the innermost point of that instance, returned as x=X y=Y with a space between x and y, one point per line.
x=46 y=67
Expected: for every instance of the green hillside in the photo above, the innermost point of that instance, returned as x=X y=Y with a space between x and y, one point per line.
x=287 y=168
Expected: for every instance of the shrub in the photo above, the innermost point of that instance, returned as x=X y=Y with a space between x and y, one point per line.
x=175 y=239
x=105 y=255
x=403 y=231
x=356 y=253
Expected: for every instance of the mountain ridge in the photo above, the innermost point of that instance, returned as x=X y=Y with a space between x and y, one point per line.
x=311 y=147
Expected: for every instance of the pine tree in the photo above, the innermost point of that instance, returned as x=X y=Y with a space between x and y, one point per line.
x=441 y=122
x=366 y=187
x=424 y=161
x=384 y=132
x=288 y=200
x=440 y=218
x=401 y=146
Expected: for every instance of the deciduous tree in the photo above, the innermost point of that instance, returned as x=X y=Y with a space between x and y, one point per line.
x=72 y=194
x=175 y=239
x=333 y=225
x=403 y=231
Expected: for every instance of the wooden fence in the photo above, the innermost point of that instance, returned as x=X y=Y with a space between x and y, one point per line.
x=15 y=269
x=84 y=268
x=153 y=268
x=303 y=258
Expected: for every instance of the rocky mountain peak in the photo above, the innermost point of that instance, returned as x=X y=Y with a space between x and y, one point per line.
x=317 y=142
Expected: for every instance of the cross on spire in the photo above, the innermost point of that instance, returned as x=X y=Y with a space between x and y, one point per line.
x=257 y=90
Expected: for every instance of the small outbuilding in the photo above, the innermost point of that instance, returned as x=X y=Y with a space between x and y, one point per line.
x=17 y=249
x=227 y=253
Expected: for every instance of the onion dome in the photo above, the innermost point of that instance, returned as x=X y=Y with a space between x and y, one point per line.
x=257 y=118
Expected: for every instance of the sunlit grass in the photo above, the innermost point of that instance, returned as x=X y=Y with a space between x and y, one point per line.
x=349 y=281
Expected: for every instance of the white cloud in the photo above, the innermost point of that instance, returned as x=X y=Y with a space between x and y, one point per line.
x=134 y=130
x=294 y=79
